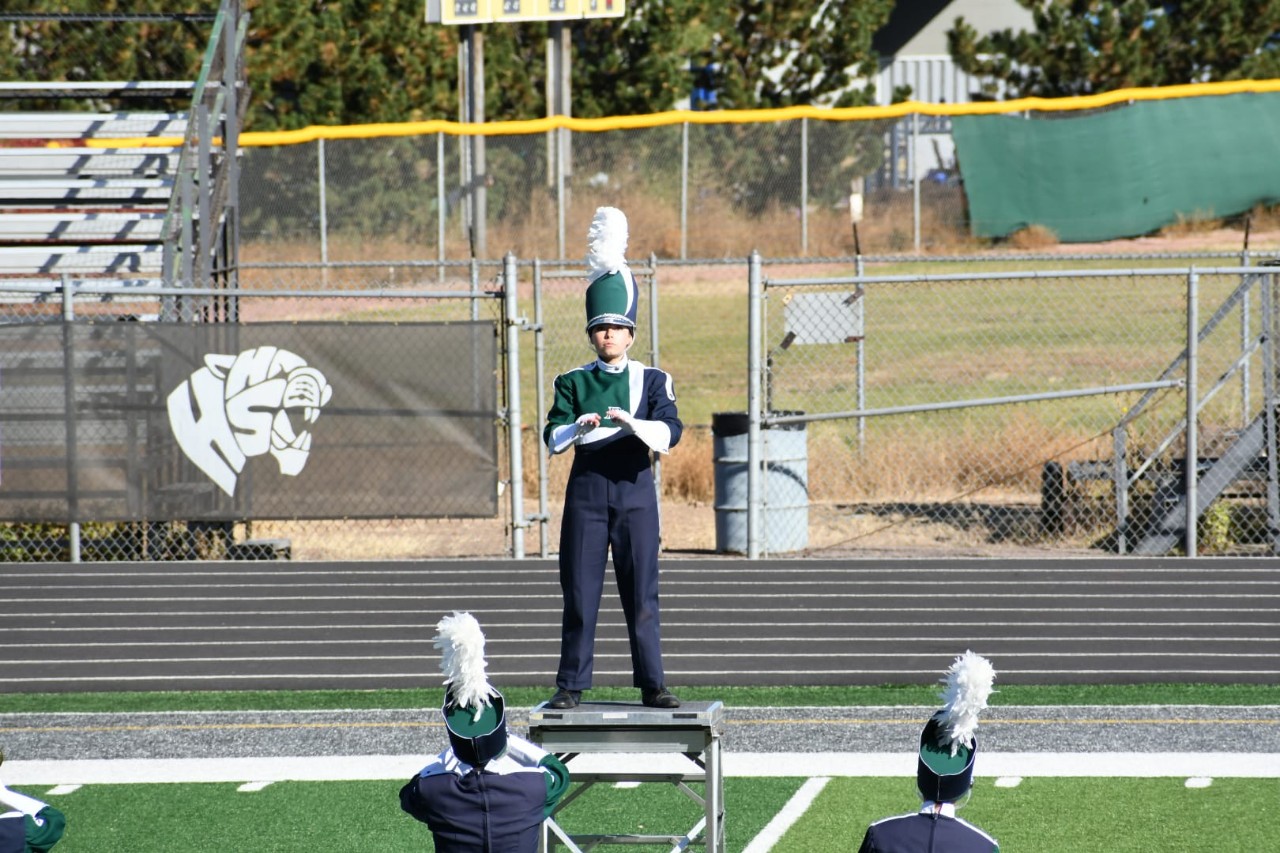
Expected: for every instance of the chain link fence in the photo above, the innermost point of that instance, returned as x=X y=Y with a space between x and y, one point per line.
x=690 y=191
x=1042 y=409
x=949 y=402
x=403 y=342
x=925 y=411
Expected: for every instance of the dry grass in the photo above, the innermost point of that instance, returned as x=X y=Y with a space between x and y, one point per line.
x=1002 y=463
x=992 y=462
x=688 y=472
x=717 y=228
x=1198 y=222
x=1264 y=219
x=1033 y=237
x=390 y=539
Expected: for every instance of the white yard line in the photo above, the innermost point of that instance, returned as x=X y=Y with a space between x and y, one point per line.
x=791 y=812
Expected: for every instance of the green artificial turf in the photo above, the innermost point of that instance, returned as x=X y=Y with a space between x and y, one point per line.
x=1040 y=815
x=1048 y=815
x=216 y=818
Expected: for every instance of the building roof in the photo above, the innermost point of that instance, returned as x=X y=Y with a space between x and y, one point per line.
x=919 y=27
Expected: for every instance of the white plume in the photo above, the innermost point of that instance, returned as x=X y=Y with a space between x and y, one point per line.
x=606 y=242
x=969 y=683
x=461 y=643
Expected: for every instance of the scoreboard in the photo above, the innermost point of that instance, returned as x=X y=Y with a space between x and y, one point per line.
x=497 y=11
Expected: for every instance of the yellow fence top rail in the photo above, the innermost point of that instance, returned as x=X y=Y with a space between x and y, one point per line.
x=598 y=125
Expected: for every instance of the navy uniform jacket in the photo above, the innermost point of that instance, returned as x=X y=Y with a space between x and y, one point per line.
x=645 y=392
x=22 y=833
x=497 y=809
x=926 y=832
x=13 y=835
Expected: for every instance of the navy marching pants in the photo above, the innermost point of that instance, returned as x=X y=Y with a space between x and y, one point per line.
x=610 y=502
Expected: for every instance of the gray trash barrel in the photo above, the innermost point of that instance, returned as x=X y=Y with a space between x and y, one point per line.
x=785 y=514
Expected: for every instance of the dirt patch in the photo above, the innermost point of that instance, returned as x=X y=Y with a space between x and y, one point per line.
x=834 y=531
x=1208 y=240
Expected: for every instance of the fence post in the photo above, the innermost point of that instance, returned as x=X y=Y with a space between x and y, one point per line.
x=511 y=317
x=562 y=189
x=1192 y=465
x=540 y=400
x=1246 y=322
x=1120 y=479
x=442 y=205
x=804 y=187
x=861 y=348
x=324 y=213
x=915 y=181
x=474 y=278
x=755 y=333
x=1269 y=396
x=684 y=191
x=69 y=398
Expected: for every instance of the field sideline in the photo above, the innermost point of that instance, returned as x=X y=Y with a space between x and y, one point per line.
x=255 y=773
x=194 y=777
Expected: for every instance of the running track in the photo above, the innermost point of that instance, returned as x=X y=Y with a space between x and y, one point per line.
x=368 y=625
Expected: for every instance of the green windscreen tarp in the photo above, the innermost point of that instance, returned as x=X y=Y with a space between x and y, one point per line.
x=1128 y=171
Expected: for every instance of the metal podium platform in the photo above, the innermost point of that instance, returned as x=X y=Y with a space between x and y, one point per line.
x=693 y=730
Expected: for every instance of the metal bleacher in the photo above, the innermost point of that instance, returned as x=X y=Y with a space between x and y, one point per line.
x=110 y=191
x=105 y=196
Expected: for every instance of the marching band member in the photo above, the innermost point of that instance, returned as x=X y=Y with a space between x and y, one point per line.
x=614 y=412
x=944 y=772
x=490 y=791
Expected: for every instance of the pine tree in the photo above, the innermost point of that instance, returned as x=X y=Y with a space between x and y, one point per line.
x=65 y=50
x=1080 y=47
x=347 y=62
x=361 y=61
x=777 y=53
x=637 y=64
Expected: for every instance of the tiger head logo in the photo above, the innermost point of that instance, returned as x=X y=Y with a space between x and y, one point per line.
x=239 y=406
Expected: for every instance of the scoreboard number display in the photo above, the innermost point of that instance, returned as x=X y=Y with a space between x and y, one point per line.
x=458 y=11
x=603 y=8
x=493 y=11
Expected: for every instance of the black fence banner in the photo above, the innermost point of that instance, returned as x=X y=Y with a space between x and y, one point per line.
x=127 y=421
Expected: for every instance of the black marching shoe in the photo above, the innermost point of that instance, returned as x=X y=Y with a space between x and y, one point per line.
x=658 y=697
x=565 y=699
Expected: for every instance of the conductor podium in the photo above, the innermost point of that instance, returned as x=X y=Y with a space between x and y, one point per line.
x=620 y=742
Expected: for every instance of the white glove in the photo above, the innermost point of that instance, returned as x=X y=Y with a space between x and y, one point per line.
x=655 y=434
x=524 y=752
x=565 y=436
x=622 y=418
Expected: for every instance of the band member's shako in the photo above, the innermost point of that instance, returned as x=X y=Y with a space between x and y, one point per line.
x=948 y=743
x=474 y=711
x=611 y=289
